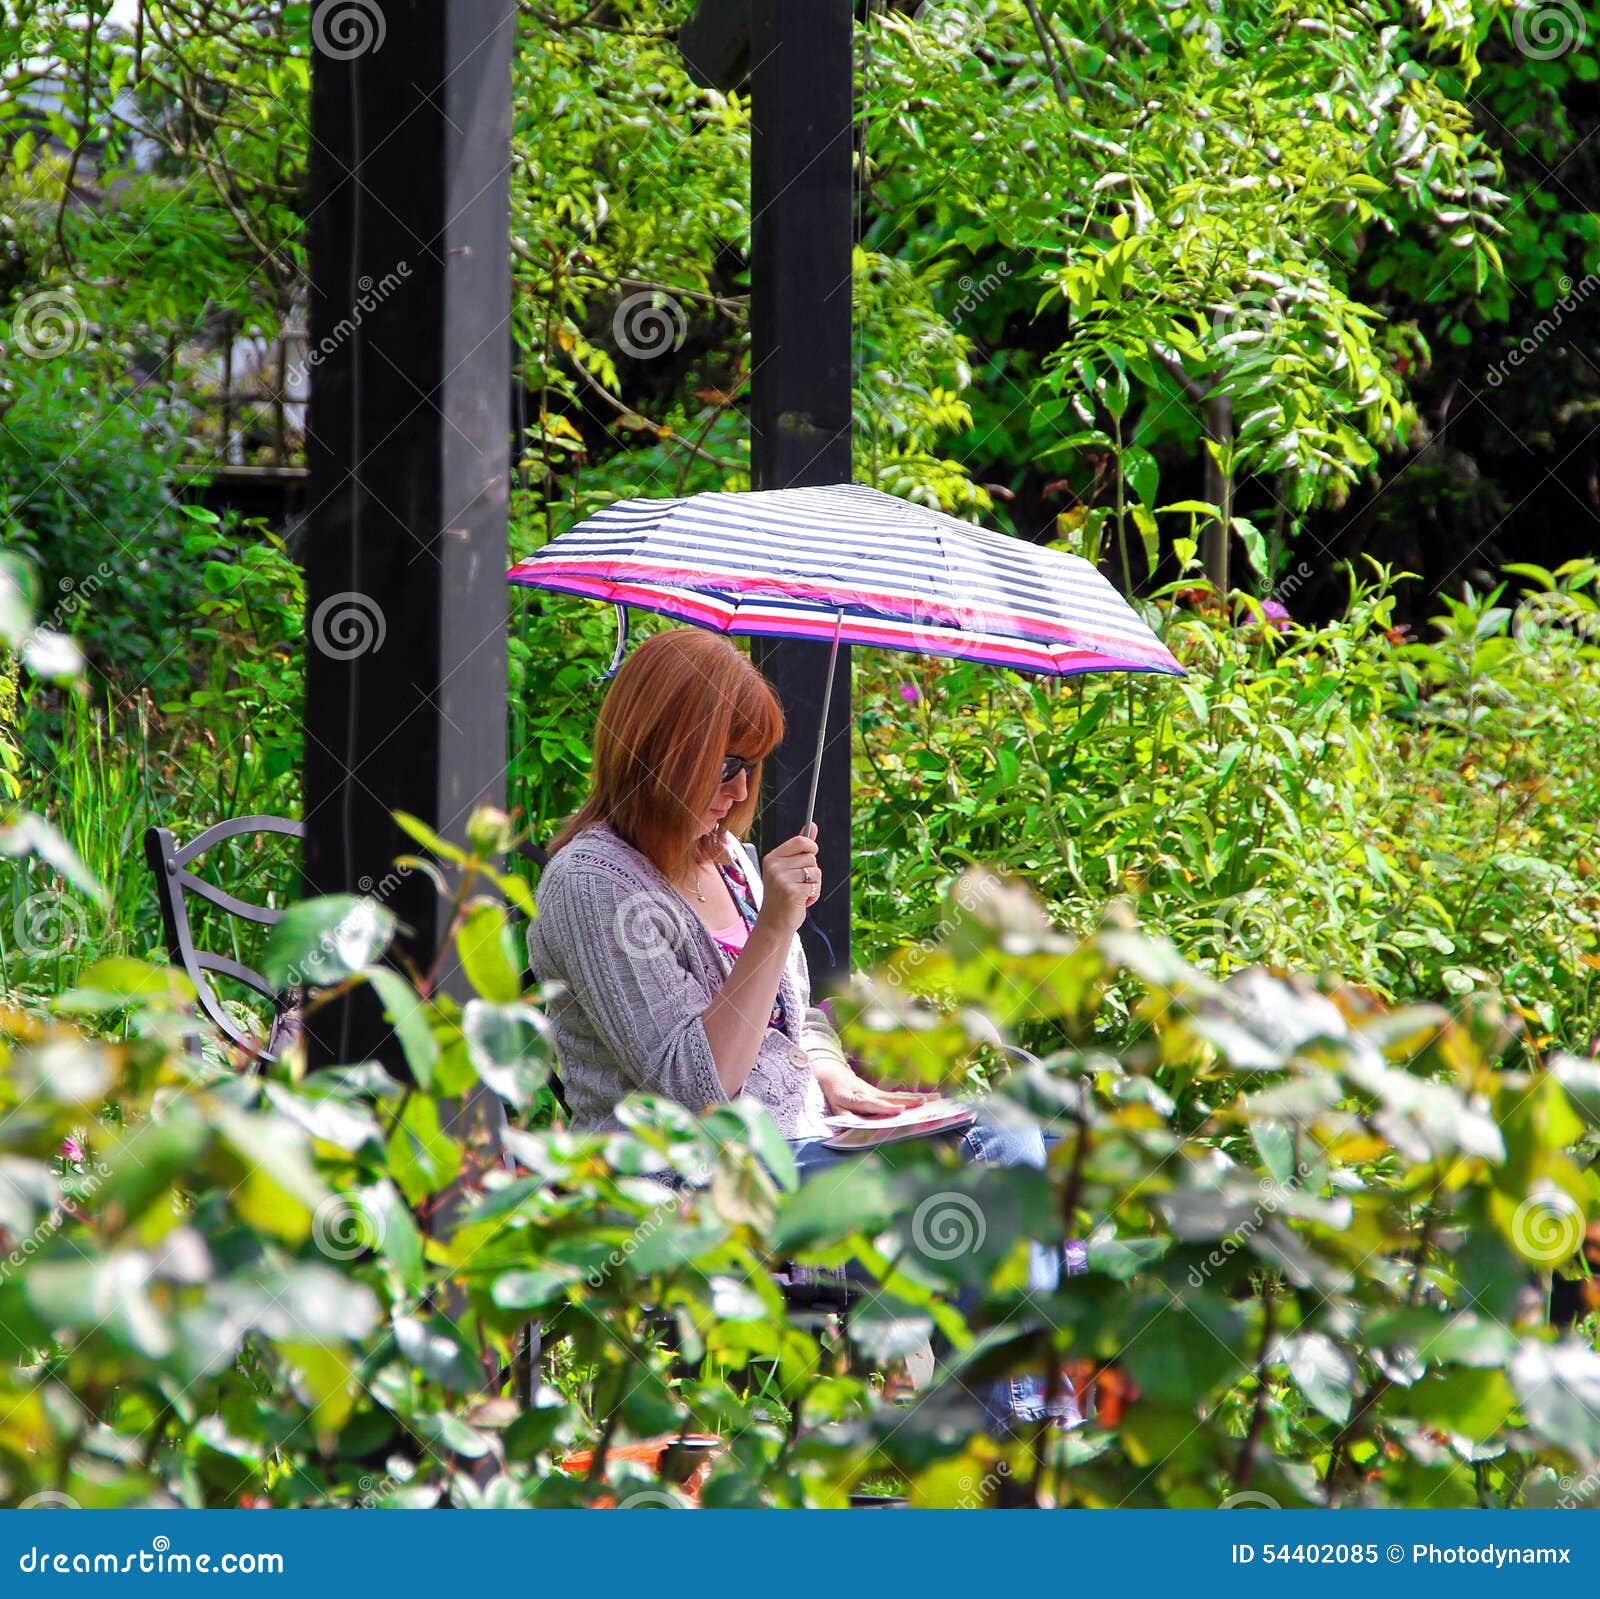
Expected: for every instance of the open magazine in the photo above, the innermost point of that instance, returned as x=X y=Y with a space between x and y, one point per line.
x=920 y=1121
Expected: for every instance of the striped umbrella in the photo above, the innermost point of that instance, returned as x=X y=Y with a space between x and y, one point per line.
x=850 y=563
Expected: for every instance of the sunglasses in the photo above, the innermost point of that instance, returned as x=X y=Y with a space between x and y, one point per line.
x=732 y=765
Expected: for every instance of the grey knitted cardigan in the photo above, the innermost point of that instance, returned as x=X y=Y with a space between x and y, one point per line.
x=636 y=966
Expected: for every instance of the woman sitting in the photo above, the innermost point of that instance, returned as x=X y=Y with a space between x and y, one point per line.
x=677 y=964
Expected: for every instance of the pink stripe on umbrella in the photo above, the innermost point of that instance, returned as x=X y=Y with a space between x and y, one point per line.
x=1018 y=654
x=625 y=573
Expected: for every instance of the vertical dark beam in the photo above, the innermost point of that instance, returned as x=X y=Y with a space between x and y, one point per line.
x=409 y=450
x=801 y=82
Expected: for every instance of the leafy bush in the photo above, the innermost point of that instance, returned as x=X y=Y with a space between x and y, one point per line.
x=1320 y=1230
x=104 y=765
x=1314 y=1224
x=1412 y=815
x=84 y=471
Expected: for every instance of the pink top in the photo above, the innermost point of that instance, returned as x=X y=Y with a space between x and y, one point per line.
x=731 y=939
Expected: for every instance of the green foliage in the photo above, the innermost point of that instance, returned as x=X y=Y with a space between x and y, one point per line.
x=1413 y=815
x=245 y=621
x=83 y=493
x=1182 y=194
x=1312 y=1223
x=1316 y=1226
x=1321 y=1229
x=103 y=768
x=1534 y=91
x=1196 y=236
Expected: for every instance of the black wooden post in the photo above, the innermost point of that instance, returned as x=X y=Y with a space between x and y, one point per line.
x=797 y=55
x=408 y=445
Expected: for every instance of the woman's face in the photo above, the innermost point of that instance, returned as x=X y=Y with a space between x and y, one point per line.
x=727 y=796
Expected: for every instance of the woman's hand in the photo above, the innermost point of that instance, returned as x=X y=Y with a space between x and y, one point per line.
x=790 y=881
x=847 y=1093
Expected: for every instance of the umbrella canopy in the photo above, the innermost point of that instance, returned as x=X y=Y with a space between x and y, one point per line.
x=849 y=563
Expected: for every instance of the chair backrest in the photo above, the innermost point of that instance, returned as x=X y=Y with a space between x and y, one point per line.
x=170 y=862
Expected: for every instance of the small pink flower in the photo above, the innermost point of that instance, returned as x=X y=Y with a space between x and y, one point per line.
x=1277 y=614
x=72 y=1150
x=910 y=693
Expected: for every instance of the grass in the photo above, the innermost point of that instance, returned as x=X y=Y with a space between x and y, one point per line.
x=104 y=773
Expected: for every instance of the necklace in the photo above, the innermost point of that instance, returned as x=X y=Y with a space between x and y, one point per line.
x=696 y=886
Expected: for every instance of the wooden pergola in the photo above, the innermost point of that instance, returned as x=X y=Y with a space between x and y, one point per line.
x=410 y=431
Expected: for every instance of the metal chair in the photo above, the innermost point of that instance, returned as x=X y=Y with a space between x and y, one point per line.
x=170 y=862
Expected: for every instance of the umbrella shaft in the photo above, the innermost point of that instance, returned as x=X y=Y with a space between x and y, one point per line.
x=822 y=724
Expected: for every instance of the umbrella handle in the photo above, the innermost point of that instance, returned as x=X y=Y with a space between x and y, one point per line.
x=822 y=723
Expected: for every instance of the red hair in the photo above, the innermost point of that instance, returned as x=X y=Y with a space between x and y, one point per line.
x=683 y=700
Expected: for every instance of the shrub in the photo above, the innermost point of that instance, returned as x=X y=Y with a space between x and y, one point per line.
x=1314 y=1226
x=1321 y=1231
x=1415 y=816
x=84 y=471
x=104 y=765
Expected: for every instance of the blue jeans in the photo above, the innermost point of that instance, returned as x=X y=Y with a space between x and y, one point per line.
x=1006 y=1401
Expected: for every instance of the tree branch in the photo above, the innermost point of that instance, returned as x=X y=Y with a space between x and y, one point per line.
x=1045 y=46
